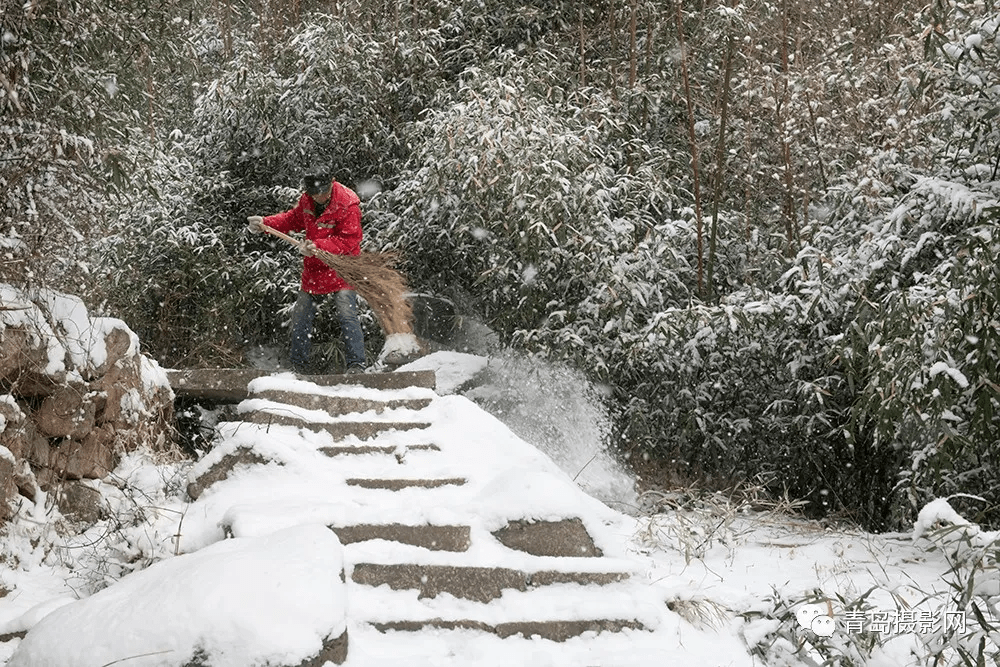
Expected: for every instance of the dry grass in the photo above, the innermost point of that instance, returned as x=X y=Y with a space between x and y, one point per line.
x=693 y=521
x=701 y=612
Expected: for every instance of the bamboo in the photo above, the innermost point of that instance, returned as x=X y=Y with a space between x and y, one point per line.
x=372 y=275
x=692 y=139
x=720 y=162
x=632 y=45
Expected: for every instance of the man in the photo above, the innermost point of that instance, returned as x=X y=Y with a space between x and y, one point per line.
x=330 y=215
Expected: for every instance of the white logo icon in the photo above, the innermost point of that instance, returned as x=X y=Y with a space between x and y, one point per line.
x=816 y=617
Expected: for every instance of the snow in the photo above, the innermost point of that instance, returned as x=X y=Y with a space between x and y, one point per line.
x=452 y=369
x=20 y=312
x=261 y=599
x=250 y=570
x=69 y=332
x=939 y=513
x=955 y=374
x=399 y=345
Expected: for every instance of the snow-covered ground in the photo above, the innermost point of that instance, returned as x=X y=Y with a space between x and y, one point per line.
x=716 y=581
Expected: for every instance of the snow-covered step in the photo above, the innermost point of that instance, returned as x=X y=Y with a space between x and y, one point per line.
x=427 y=536
x=337 y=428
x=470 y=582
x=398 y=444
x=484 y=552
x=556 y=612
x=398 y=483
x=399 y=451
x=565 y=538
x=342 y=405
x=555 y=630
x=234 y=384
x=405 y=380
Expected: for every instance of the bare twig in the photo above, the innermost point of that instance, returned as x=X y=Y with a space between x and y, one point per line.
x=133 y=657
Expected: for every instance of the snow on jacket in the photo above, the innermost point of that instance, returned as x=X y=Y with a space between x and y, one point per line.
x=337 y=230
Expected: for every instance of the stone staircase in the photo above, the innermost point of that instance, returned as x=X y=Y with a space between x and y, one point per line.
x=441 y=532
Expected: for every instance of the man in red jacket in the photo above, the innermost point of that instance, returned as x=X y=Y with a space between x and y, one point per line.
x=330 y=216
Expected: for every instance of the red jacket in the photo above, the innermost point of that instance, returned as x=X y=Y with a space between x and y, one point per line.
x=336 y=230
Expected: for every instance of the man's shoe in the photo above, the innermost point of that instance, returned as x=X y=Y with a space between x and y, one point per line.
x=355 y=369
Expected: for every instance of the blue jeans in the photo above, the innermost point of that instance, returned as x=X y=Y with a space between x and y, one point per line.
x=303 y=314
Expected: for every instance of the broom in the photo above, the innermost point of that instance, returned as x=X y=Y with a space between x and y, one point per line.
x=373 y=276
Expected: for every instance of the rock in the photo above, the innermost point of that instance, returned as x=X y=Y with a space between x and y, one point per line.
x=99 y=452
x=91 y=458
x=115 y=385
x=18 y=354
x=79 y=503
x=434 y=318
x=79 y=391
x=37 y=450
x=12 y=420
x=8 y=487
x=26 y=483
x=117 y=343
x=66 y=413
x=334 y=650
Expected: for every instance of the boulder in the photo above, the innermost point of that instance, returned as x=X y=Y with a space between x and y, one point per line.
x=117 y=344
x=68 y=412
x=8 y=486
x=12 y=420
x=78 y=391
x=27 y=483
x=37 y=450
x=79 y=503
x=434 y=318
x=91 y=458
x=116 y=387
x=18 y=353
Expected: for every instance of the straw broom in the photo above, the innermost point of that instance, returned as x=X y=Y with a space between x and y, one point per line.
x=373 y=276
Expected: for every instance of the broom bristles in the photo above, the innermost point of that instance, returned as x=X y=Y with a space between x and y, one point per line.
x=372 y=275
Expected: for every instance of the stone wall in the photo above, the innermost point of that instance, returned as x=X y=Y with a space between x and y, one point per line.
x=75 y=393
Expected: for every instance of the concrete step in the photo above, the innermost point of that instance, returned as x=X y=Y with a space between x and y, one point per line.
x=400 y=484
x=556 y=612
x=222 y=469
x=230 y=384
x=339 y=429
x=341 y=405
x=435 y=538
x=399 y=451
x=481 y=584
x=557 y=631
x=565 y=538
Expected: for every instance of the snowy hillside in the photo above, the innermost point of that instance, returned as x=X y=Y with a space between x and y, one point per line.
x=713 y=581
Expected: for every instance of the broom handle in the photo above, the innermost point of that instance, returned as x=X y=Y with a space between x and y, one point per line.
x=322 y=256
x=281 y=235
x=291 y=239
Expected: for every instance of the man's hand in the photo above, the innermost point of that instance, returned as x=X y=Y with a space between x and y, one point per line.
x=307 y=248
x=255 y=224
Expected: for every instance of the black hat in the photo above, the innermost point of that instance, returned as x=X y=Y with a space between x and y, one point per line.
x=317 y=182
